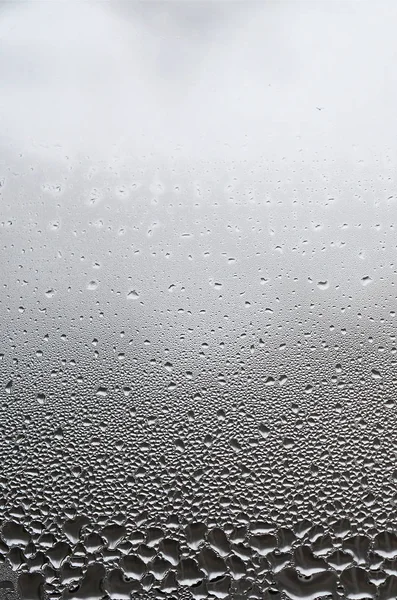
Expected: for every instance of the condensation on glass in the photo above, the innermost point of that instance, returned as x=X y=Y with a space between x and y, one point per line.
x=198 y=308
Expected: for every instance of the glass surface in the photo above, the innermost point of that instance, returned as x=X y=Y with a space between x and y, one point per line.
x=198 y=232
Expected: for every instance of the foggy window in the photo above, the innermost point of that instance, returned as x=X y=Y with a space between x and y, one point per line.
x=198 y=232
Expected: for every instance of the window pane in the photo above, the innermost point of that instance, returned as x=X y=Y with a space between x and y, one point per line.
x=198 y=333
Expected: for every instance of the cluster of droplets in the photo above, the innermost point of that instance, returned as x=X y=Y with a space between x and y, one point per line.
x=200 y=362
x=245 y=559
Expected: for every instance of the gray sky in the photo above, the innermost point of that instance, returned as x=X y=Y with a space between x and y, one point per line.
x=208 y=78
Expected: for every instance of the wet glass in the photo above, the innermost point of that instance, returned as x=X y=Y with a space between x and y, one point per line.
x=198 y=314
